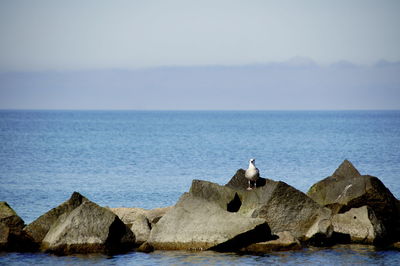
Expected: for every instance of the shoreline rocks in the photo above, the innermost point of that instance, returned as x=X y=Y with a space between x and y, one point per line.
x=346 y=207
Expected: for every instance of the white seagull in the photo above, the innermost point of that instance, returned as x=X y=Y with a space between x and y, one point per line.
x=252 y=173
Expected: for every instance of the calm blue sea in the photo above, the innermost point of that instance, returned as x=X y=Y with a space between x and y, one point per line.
x=149 y=158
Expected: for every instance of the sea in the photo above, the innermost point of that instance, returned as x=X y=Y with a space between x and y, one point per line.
x=148 y=159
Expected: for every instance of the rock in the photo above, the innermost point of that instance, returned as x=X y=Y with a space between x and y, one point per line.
x=360 y=224
x=10 y=218
x=288 y=209
x=136 y=221
x=80 y=226
x=88 y=228
x=200 y=223
x=240 y=182
x=396 y=245
x=4 y=234
x=12 y=237
x=347 y=189
x=283 y=207
x=286 y=241
x=145 y=247
x=38 y=229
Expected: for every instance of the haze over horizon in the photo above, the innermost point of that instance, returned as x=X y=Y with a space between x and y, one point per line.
x=245 y=55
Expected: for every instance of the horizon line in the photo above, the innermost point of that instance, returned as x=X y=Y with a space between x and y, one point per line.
x=296 y=61
x=195 y=110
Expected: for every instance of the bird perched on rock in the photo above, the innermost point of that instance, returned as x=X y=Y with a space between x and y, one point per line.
x=252 y=173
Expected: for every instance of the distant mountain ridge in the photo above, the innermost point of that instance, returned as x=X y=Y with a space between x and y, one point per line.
x=299 y=83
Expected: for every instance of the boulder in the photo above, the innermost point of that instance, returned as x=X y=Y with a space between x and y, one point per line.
x=11 y=226
x=360 y=224
x=88 y=228
x=285 y=241
x=10 y=218
x=347 y=189
x=12 y=236
x=38 y=229
x=200 y=223
x=136 y=220
x=145 y=247
x=283 y=207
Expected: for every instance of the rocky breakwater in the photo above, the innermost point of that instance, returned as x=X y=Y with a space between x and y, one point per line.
x=346 y=207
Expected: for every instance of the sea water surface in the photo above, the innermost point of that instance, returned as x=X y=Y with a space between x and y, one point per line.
x=149 y=158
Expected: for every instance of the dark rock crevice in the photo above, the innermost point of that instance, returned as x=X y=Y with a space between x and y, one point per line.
x=260 y=233
x=118 y=239
x=235 y=204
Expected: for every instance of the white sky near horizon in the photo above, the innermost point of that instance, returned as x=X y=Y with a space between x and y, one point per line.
x=98 y=34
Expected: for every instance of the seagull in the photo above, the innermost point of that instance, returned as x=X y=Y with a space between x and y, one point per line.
x=252 y=173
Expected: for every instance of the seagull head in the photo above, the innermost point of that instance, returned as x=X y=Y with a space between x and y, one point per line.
x=252 y=160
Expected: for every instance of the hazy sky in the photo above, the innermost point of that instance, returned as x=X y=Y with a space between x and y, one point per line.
x=204 y=54
x=96 y=34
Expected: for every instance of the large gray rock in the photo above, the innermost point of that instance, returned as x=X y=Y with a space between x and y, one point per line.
x=12 y=237
x=10 y=218
x=283 y=207
x=88 y=228
x=199 y=223
x=38 y=229
x=347 y=189
x=360 y=224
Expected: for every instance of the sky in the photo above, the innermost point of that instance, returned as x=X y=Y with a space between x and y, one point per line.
x=96 y=35
x=75 y=34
